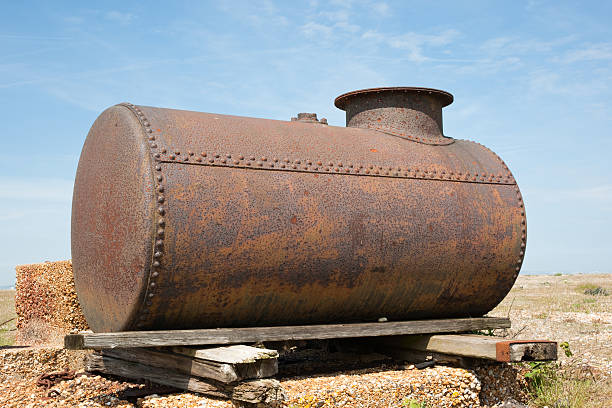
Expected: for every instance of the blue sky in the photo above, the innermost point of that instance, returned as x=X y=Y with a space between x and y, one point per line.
x=532 y=80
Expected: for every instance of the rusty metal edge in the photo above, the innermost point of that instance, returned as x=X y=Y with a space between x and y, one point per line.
x=152 y=272
x=521 y=205
x=432 y=141
x=446 y=97
x=502 y=348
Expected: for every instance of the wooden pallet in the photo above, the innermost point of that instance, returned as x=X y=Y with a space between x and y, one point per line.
x=165 y=338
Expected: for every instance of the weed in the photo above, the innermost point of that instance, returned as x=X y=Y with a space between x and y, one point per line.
x=593 y=290
x=549 y=387
x=585 y=286
x=558 y=274
x=541 y=315
x=566 y=349
x=598 y=291
x=575 y=307
x=412 y=403
x=538 y=373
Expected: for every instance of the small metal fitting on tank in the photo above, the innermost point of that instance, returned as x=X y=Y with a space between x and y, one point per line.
x=406 y=111
x=308 y=118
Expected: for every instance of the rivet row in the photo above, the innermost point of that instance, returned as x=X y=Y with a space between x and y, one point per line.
x=521 y=205
x=316 y=166
x=158 y=253
x=519 y=199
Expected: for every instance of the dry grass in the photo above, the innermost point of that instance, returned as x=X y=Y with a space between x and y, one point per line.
x=7 y=312
x=556 y=308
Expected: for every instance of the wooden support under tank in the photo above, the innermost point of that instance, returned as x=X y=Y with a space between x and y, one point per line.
x=468 y=345
x=236 y=372
x=199 y=337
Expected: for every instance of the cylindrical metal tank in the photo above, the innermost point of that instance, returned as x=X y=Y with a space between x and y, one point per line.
x=194 y=220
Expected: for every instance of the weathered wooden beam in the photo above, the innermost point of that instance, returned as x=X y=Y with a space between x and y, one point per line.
x=253 y=392
x=163 y=338
x=234 y=363
x=236 y=354
x=129 y=369
x=474 y=346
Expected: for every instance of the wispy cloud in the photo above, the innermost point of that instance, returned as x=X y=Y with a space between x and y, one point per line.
x=547 y=81
x=331 y=24
x=510 y=53
x=597 y=193
x=312 y=29
x=14 y=214
x=261 y=15
x=597 y=196
x=381 y=8
x=569 y=83
x=413 y=43
x=342 y=3
x=44 y=189
x=589 y=52
x=516 y=45
x=73 y=19
x=33 y=37
x=119 y=17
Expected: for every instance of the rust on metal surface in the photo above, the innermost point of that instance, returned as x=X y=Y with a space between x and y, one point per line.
x=195 y=220
x=411 y=113
x=308 y=118
x=502 y=349
x=48 y=380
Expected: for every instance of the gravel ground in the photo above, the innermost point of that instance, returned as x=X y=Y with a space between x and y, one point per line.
x=438 y=386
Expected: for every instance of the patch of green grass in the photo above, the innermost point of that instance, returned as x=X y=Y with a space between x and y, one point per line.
x=549 y=387
x=558 y=274
x=585 y=286
x=577 y=307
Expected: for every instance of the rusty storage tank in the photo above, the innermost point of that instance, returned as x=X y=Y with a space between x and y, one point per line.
x=194 y=220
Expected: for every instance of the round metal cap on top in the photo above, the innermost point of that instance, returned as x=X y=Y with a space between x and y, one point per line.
x=415 y=112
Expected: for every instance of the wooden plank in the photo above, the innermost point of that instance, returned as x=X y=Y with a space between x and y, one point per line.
x=236 y=354
x=255 y=334
x=222 y=372
x=263 y=391
x=526 y=350
x=476 y=346
x=129 y=369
